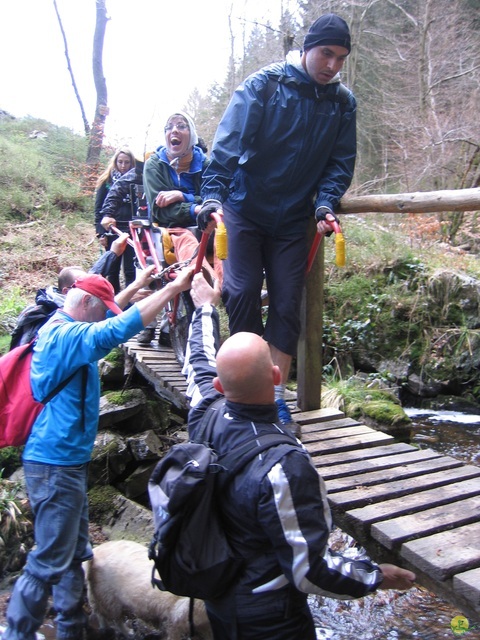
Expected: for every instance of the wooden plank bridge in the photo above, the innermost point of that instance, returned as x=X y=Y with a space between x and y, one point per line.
x=409 y=506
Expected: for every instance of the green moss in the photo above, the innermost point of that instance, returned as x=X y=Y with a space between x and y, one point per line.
x=100 y=503
x=120 y=398
x=10 y=460
x=158 y=412
x=360 y=401
x=116 y=357
x=109 y=448
x=383 y=412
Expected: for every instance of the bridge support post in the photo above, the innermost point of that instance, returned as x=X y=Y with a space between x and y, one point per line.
x=309 y=350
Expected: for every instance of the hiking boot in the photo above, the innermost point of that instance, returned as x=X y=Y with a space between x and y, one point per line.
x=146 y=336
x=164 y=339
x=286 y=419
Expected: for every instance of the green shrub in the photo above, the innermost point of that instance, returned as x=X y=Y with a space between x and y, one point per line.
x=11 y=304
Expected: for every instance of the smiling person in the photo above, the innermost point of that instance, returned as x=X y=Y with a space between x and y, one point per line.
x=284 y=151
x=173 y=174
x=172 y=179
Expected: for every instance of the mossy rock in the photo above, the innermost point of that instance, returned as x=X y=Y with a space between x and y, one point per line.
x=116 y=357
x=100 y=501
x=383 y=412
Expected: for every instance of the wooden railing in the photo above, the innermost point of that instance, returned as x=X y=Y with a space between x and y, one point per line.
x=309 y=353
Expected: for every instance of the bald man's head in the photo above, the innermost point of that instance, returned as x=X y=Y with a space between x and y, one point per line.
x=67 y=277
x=245 y=369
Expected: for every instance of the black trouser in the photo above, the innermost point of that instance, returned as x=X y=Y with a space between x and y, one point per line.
x=283 y=259
x=277 y=615
x=127 y=259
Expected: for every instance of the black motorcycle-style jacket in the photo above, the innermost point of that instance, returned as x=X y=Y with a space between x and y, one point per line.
x=276 y=510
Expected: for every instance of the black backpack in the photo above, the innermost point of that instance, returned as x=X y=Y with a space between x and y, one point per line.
x=190 y=548
x=32 y=318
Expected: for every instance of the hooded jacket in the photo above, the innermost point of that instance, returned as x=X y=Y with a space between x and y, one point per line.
x=281 y=153
x=120 y=201
x=160 y=176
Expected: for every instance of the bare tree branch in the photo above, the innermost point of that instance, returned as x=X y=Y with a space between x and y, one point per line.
x=70 y=70
x=456 y=75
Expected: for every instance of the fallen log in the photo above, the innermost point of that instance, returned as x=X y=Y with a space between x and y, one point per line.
x=415 y=202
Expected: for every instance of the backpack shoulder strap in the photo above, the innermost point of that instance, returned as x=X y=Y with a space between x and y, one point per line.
x=64 y=383
x=237 y=458
x=306 y=90
x=206 y=429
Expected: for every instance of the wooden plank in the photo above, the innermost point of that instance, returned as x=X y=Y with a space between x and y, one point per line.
x=445 y=554
x=392 y=474
x=376 y=464
x=391 y=533
x=175 y=397
x=165 y=370
x=157 y=357
x=344 y=444
x=467 y=586
x=165 y=359
x=320 y=415
x=365 y=495
x=174 y=387
x=335 y=434
x=326 y=459
x=171 y=377
x=149 y=351
x=413 y=502
x=330 y=425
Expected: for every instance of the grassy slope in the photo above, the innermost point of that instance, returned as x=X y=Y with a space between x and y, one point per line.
x=46 y=218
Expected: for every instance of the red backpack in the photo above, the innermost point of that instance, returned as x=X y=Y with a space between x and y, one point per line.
x=18 y=408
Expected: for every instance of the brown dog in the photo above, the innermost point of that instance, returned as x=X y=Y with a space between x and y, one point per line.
x=119 y=586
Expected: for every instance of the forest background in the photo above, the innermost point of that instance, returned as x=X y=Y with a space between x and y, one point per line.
x=415 y=71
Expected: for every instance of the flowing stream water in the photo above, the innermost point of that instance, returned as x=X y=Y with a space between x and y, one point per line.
x=417 y=613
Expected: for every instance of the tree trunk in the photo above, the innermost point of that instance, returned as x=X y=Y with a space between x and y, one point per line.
x=419 y=202
x=101 y=110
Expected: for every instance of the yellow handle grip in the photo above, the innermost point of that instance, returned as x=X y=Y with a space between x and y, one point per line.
x=340 y=250
x=221 y=241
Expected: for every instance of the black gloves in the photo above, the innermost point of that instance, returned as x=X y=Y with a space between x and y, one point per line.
x=204 y=215
x=321 y=215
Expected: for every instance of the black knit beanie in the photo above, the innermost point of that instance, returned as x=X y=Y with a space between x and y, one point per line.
x=328 y=29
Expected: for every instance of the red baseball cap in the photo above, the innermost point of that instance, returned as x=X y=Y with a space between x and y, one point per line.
x=99 y=287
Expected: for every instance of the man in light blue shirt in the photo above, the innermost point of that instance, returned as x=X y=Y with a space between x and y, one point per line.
x=58 y=451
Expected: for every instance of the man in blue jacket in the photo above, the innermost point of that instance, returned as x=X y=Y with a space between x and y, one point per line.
x=58 y=450
x=275 y=512
x=284 y=150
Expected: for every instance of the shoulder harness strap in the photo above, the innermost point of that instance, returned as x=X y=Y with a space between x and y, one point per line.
x=306 y=90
